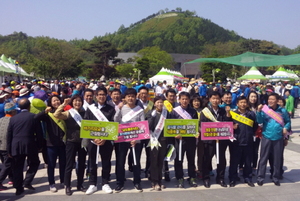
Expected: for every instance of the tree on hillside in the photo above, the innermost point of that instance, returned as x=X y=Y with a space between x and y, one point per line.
x=161 y=12
x=219 y=49
x=125 y=70
x=285 y=50
x=260 y=46
x=104 y=51
x=178 y=9
x=157 y=59
x=143 y=65
x=55 y=59
x=121 y=29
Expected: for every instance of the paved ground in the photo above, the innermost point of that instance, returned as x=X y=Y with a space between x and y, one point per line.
x=289 y=189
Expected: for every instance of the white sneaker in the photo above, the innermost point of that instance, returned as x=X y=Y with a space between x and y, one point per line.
x=106 y=188
x=92 y=189
x=53 y=189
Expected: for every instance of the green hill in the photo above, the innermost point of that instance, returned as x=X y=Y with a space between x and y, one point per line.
x=174 y=32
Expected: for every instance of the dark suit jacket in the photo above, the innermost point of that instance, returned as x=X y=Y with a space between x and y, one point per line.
x=24 y=134
x=107 y=110
x=58 y=90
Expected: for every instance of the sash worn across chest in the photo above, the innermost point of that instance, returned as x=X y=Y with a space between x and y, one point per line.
x=85 y=105
x=133 y=112
x=274 y=115
x=183 y=113
x=159 y=127
x=76 y=116
x=149 y=107
x=241 y=119
x=97 y=113
x=60 y=123
x=207 y=113
x=168 y=105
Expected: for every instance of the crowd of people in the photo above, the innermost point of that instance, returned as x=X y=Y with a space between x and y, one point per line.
x=45 y=117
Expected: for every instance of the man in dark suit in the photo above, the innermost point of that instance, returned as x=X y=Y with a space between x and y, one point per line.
x=56 y=87
x=24 y=139
x=106 y=146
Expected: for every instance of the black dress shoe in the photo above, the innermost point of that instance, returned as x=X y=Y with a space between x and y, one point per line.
x=119 y=188
x=222 y=183
x=206 y=183
x=20 y=191
x=28 y=186
x=276 y=183
x=68 y=191
x=260 y=183
x=81 y=188
x=232 y=184
x=250 y=183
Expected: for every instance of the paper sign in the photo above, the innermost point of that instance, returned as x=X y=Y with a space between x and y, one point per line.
x=216 y=130
x=93 y=129
x=183 y=127
x=133 y=131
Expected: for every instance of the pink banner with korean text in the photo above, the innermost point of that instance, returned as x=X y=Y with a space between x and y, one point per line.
x=216 y=130
x=133 y=131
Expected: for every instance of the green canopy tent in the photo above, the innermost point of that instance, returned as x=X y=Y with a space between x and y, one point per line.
x=280 y=75
x=292 y=74
x=5 y=67
x=5 y=71
x=167 y=75
x=4 y=58
x=254 y=59
x=10 y=64
x=253 y=74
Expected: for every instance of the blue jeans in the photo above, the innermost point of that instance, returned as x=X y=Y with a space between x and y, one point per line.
x=53 y=153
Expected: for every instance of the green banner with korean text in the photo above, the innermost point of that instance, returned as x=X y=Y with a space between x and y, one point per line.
x=183 y=127
x=93 y=129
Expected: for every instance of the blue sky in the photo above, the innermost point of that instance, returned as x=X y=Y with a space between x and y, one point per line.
x=272 y=20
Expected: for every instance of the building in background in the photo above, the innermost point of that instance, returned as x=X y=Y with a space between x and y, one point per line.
x=187 y=70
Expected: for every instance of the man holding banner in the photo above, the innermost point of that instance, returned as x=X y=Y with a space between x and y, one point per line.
x=213 y=113
x=100 y=111
x=276 y=123
x=169 y=104
x=186 y=144
x=127 y=114
x=144 y=102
